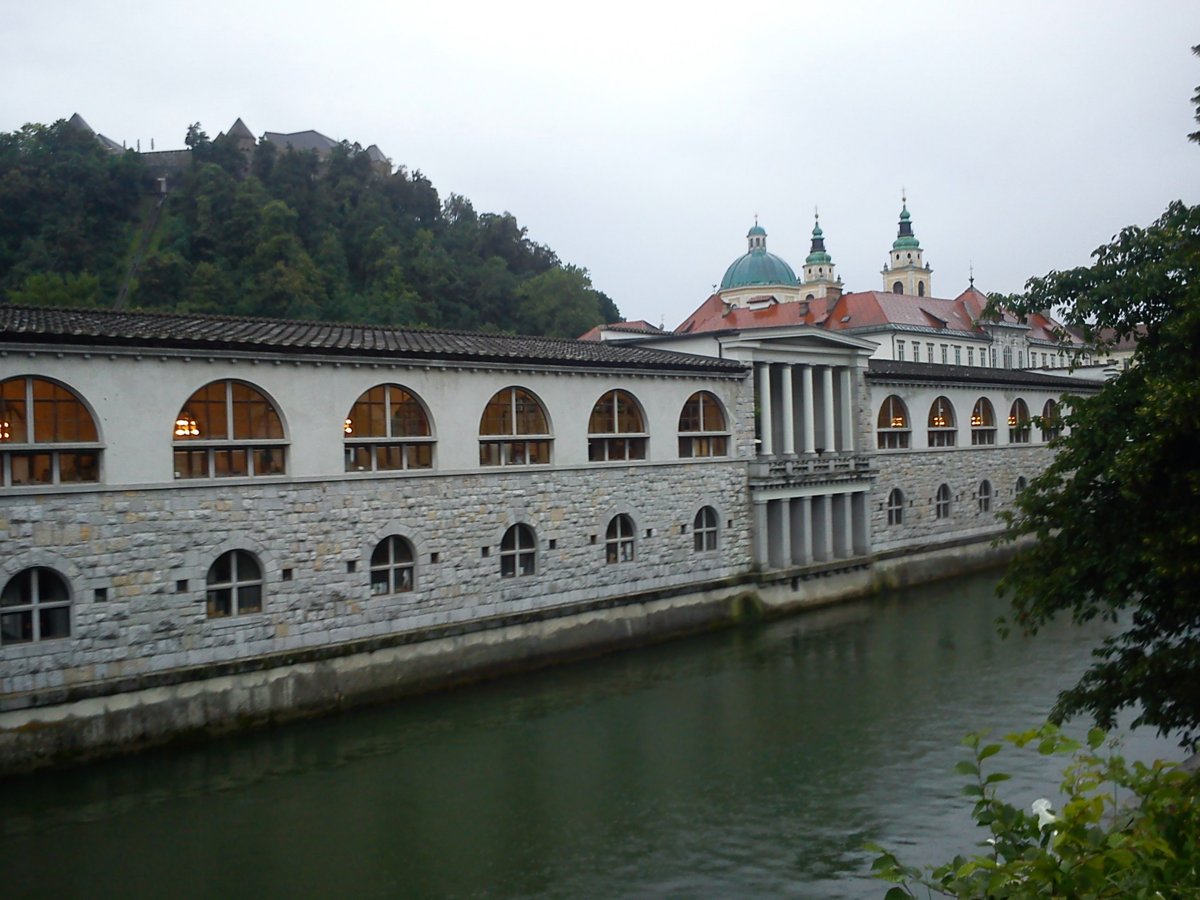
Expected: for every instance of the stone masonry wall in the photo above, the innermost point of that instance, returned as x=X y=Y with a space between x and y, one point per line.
x=137 y=559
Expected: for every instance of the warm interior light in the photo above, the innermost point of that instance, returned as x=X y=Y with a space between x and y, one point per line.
x=976 y=421
x=5 y=431
x=1012 y=421
x=348 y=426
x=185 y=426
x=939 y=421
x=897 y=421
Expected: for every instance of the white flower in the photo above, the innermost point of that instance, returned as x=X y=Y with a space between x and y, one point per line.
x=1041 y=808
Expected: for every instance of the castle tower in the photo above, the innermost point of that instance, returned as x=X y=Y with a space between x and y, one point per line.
x=819 y=277
x=906 y=271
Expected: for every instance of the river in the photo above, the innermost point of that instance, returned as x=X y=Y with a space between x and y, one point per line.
x=746 y=763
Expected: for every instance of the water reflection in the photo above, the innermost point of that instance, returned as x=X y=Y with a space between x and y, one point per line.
x=745 y=763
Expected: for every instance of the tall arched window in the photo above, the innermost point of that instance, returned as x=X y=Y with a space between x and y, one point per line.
x=387 y=429
x=941 y=504
x=1051 y=421
x=392 y=566
x=898 y=287
x=518 y=552
x=234 y=585
x=619 y=540
x=1018 y=422
x=942 y=429
x=985 y=496
x=704 y=530
x=920 y=289
x=895 y=507
x=35 y=605
x=514 y=430
x=702 y=429
x=228 y=429
x=892 y=427
x=616 y=428
x=983 y=423
x=47 y=435
x=1022 y=483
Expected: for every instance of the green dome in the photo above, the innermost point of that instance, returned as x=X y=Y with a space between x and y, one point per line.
x=758 y=266
x=906 y=240
x=818 y=256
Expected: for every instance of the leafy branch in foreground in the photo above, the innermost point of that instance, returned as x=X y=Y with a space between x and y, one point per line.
x=1125 y=830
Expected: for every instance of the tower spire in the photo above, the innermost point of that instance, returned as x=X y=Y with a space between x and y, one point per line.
x=906 y=271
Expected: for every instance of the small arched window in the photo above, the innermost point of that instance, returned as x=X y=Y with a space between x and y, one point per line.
x=47 y=435
x=942 y=428
x=702 y=429
x=518 y=552
x=514 y=430
x=1022 y=483
x=387 y=429
x=618 y=540
x=895 y=507
x=985 y=496
x=392 y=566
x=616 y=428
x=704 y=530
x=892 y=428
x=35 y=605
x=983 y=423
x=920 y=289
x=941 y=504
x=228 y=429
x=1051 y=420
x=234 y=585
x=898 y=288
x=1018 y=422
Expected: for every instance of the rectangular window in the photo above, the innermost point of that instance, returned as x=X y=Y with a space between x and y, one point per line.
x=958 y=356
x=970 y=356
x=916 y=351
x=929 y=352
x=900 y=350
x=945 y=354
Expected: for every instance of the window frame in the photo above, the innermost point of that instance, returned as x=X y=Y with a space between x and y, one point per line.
x=706 y=530
x=983 y=423
x=984 y=494
x=705 y=442
x=518 y=551
x=42 y=454
x=893 y=436
x=1051 y=417
x=243 y=457
x=620 y=540
x=411 y=451
x=895 y=507
x=1020 y=423
x=236 y=585
x=617 y=445
x=942 y=502
x=516 y=447
x=942 y=423
x=32 y=608
x=399 y=575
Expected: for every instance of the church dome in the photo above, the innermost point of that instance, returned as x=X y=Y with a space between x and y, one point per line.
x=758 y=266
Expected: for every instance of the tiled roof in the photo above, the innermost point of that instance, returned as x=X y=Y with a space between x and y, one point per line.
x=894 y=370
x=302 y=141
x=714 y=316
x=96 y=327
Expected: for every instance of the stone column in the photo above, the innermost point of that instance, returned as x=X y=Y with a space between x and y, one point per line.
x=806 y=397
x=785 y=533
x=827 y=393
x=806 y=542
x=847 y=410
x=848 y=525
x=789 y=420
x=767 y=447
x=827 y=524
x=761 y=539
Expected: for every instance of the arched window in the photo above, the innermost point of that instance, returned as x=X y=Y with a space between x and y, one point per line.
x=895 y=507
x=1051 y=421
x=898 y=288
x=618 y=540
x=392 y=566
x=985 y=496
x=514 y=430
x=892 y=428
x=35 y=605
x=387 y=429
x=983 y=423
x=518 y=552
x=1022 y=483
x=704 y=530
x=47 y=435
x=617 y=428
x=920 y=289
x=941 y=504
x=234 y=585
x=702 y=429
x=228 y=429
x=1018 y=422
x=941 y=423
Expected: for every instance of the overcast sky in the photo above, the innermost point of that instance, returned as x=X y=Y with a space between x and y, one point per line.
x=639 y=140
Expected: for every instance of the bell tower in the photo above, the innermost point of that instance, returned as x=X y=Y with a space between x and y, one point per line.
x=906 y=271
x=820 y=279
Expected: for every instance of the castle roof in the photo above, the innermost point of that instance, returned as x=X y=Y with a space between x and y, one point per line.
x=302 y=141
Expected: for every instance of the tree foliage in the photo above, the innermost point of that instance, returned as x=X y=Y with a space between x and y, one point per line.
x=272 y=233
x=1115 y=515
x=1124 y=830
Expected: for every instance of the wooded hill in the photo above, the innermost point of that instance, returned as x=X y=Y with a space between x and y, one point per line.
x=270 y=233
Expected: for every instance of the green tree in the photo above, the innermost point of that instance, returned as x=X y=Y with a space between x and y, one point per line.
x=560 y=302
x=1115 y=516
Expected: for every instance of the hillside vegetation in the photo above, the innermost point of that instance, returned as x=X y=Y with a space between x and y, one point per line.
x=269 y=233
